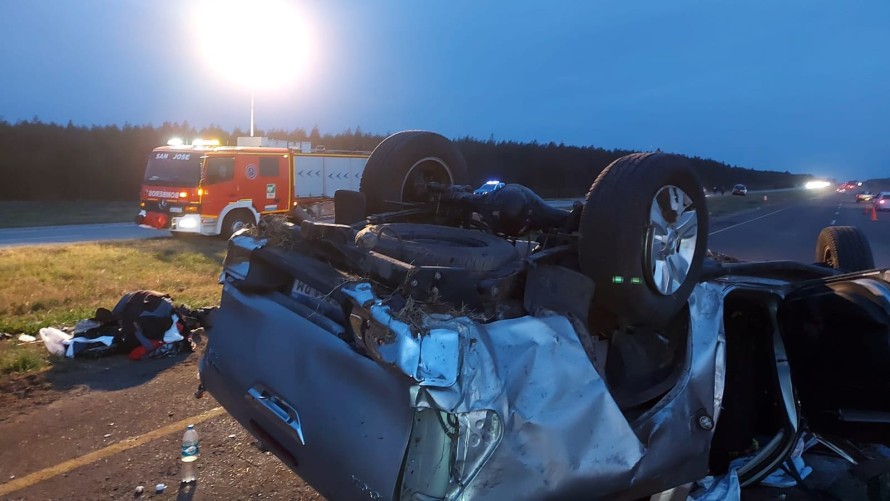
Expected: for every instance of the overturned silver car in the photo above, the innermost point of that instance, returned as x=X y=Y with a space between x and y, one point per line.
x=433 y=343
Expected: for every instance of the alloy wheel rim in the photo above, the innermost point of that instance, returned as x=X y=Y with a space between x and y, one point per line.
x=672 y=238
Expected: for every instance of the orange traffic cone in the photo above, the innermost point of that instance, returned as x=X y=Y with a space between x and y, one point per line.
x=874 y=213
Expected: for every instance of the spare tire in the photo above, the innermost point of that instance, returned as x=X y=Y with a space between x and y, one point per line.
x=433 y=245
x=643 y=236
x=844 y=248
x=403 y=162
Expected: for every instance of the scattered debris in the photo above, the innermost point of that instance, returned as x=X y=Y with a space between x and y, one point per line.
x=56 y=340
x=25 y=338
x=159 y=489
x=139 y=490
x=143 y=324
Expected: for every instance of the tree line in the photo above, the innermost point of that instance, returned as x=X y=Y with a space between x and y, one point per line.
x=45 y=161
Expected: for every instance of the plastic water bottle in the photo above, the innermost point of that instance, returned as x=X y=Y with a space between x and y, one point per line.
x=189 y=454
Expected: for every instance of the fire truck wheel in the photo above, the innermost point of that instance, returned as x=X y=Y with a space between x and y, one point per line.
x=402 y=164
x=844 y=248
x=643 y=237
x=236 y=220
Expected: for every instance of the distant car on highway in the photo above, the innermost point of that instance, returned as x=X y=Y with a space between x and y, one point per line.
x=864 y=196
x=881 y=201
x=740 y=189
x=489 y=186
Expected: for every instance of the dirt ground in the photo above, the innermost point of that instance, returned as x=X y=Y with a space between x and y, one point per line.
x=97 y=429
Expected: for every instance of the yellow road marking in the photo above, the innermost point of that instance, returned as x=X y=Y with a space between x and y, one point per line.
x=123 y=445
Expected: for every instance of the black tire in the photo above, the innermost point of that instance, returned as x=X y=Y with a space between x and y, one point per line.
x=405 y=159
x=432 y=245
x=844 y=248
x=617 y=245
x=234 y=221
x=349 y=206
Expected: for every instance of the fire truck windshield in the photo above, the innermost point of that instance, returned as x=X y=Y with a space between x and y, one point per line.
x=173 y=169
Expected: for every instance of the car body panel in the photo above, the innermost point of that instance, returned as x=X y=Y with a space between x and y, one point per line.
x=525 y=403
x=563 y=433
x=346 y=403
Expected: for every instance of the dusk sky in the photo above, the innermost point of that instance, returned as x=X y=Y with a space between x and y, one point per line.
x=796 y=85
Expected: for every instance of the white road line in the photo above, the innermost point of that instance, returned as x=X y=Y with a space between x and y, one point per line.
x=833 y=221
x=748 y=221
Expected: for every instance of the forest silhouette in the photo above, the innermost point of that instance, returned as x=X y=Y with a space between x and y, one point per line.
x=45 y=161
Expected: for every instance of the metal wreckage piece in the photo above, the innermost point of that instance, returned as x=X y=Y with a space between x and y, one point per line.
x=521 y=397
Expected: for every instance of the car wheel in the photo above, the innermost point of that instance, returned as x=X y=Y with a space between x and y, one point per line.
x=433 y=245
x=401 y=165
x=234 y=221
x=643 y=236
x=844 y=248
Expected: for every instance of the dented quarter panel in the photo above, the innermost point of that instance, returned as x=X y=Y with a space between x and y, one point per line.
x=564 y=435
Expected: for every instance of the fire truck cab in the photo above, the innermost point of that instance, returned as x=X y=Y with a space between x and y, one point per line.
x=216 y=190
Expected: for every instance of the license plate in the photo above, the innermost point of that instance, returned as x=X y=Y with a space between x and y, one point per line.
x=175 y=209
x=303 y=289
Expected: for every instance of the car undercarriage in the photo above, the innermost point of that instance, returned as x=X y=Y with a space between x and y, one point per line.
x=436 y=343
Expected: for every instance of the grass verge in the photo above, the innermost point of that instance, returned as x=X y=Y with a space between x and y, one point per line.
x=55 y=286
x=16 y=358
x=24 y=214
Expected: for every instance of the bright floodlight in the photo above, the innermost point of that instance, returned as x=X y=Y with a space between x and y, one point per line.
x=813 y=185
x=261 y=43
x=174 y=141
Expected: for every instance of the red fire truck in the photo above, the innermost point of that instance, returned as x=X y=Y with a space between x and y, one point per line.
x=216 y=190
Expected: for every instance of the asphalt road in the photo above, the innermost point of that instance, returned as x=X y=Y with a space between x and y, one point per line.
x=790 y=232
x=16 y=237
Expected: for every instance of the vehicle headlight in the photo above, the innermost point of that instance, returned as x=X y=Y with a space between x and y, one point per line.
x=189 y=222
